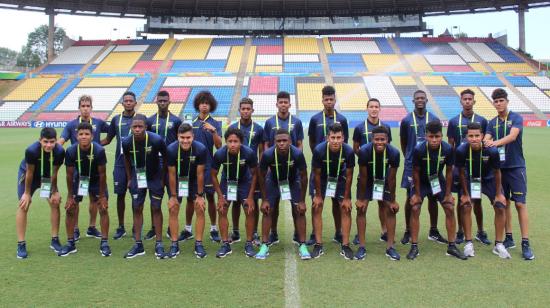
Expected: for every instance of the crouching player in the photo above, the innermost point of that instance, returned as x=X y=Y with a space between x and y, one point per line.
x=378 y=162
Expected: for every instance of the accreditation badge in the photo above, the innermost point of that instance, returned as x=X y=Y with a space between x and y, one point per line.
x=475 y=188
x=331 y=187
x=83 y=185
x=232 y=187
x=502 y=153
x=378 y=190
x=434 y=184
x=183 y=186
x=284 y=189
x=45 y=188
x=141 y=177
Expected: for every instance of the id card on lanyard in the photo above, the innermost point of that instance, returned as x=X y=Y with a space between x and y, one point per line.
x=141 y=173
x=502 y=148
x=284 y=185
x=434 y=179
x=332 y=182
x=45 y=183
x=183 y=181
x=84 y=181
x=378 y=185
x=233 y=186
x=475 y=182
x=419 y=139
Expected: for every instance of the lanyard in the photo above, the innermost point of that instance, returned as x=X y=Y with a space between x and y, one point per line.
x=460 y=124
x=144 y=150
x=179 y=161
x=42 y=162
x=165 y=125
x=428 y=158
x=480 y=161
x=328 y=160
x=374 y=164
x=289 y=121
x=251 y=132
x=325 y=121
x=80 y=120
x=238 y=165
x=78 y=159
x=120 y=125
x=205 y=119
x=367 y=128
x=414 y=120
x=505 y=122
x=287 y=165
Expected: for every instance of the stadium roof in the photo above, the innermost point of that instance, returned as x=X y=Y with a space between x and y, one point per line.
x=265 y=8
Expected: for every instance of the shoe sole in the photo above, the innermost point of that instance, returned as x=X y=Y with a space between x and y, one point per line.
x=136 y=255
x=273 y=243
x=261 y=258
x=450 y=255
x=105 y=255
x=20 y=258
x=433 y=239
x=198 y=256
x=360 y=258
x=484 y=243
x=497 y=254
x=344 y=255
x=527 y=259
x=55 y=250
x=149 y=238
x=170 y=256
x=94 y=236
x=235 y=241
x=306 y=257
x=319 y=255
x=118 y=238
x=513 y=246
x=414 y=257
x=392 y=258
x=70 y=252
x=224 y=255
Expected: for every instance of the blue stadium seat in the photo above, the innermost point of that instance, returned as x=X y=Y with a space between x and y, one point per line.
x=286 y=83
x=185 y=66
x=62 y=69
x=155 y=89
x=63 y=94
x=36 y=106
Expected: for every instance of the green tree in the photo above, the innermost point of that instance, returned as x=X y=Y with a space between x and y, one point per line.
x=35 y=52
x=8 y=57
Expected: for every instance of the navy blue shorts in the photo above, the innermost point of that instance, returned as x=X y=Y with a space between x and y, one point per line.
x=155 y=188
x=243 y=188
x=21 y=184
x=93 y=190
x=368 y=192
x=340 y=189
x=488 y=188
x=208 y=186
x=407 y=180
x=514 y=184
x=119 y=180
x=426 y=191
x=456 y=180
x=274 y=195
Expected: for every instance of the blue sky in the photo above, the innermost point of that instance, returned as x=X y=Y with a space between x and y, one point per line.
x=16 y=25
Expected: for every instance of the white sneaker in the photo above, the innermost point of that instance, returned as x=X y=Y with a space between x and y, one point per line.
x=469 y=250
x=501 y=251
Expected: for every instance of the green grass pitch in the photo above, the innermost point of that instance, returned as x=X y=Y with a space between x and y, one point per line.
x=87 y=279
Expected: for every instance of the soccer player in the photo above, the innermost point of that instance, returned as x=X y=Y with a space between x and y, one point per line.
x=237 y=186
x=165 y=124
x=317 y=132
x=38 y=171
x=283 y=176
x=479 y=173
x=411 y=133
x=70 y=133
x=252 y=137
x=378 y=162
x=362 y=134
x=120 y=127
x=283 y=119
x=505 y=133
x=208 y=132
x=142 y=151
x=86 y=176
x=429 y=158
x=332 y=163
x=186 y=161
x=456 y=134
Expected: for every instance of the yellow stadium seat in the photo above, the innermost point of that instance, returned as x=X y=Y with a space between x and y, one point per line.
x=403 y=80
x=478 y=67
x=294 y=45
x=31 y=89
x=383 y=63
x=308 y=96
x=192 y=49
x=164 y=50
x=106 y=82
x=118 y=62
x=511 y=67
x=269 y=69
x=251 y=60
x=547 y=92
x=326 y=43
x=150 y=108
x=118 y=110
x=234 y=60
x=351 y=96
x=483 y=106
x=418 y=63
x=433 y=80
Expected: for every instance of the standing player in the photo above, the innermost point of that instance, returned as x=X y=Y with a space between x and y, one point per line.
x=70 y=133
x=412 y=132
x=165 y=124
x=237 y=186
x=283 y=119
x=252 y=137
x=505 y=133
x=142 y=151
x=332 y=163
x=38 y=171
x=283 y=173
x=429 y=159
x=456 y=134
x=378 y=162
x=86 y=175
x=120 y=127
x=479 y=172
x=186 y=160
x=362 y=135
x=208 y=132
x=317 y=132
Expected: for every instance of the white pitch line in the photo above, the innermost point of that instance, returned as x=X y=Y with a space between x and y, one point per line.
x=292 y=290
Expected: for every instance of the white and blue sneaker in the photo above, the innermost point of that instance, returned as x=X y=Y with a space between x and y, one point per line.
x=22 y=250
x=224 y=250
x=104 y=248
x=67 y=249
x=135 y=251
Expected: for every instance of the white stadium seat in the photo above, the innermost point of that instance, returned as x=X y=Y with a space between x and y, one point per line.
x=218 y=53
x=126 y=48
x=264 y=104
x=10 y=111
x=200 y=81
x=515 y=104
x=301 y=58
x=485 y=53
x=77 y=55
x=105 y=99
x=381 y=87
x=463 y=52
x=355 y=47
x=445 y=60
x=537 y=97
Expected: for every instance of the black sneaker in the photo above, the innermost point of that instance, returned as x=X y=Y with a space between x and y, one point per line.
x=249 y=250
x=317 y=251
x=55 y=245
x=224 y=250
x=93 y=232
x=159 y=250
x=200 y=252
x=526 y=251
x=273 y=238
x=455 y=252
x=76 y=235
x=393 y=254
x=22 y=250
x=413 y=253
x=120 y=232
x=150 y=234
x=361 y=253
x=67 y=249
x=384 y=237
x=481 y=237
x=104 y=248
x=346 y=252
x=435 y=236
x=174 y=250
x=311 y=240
x=459 y=237
x=215 y=236
x=509 y=241
x=406 y=238
x=337 y=238
x=356 y=240
x=136 y=250
x=185 y=235
x=235 y=236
